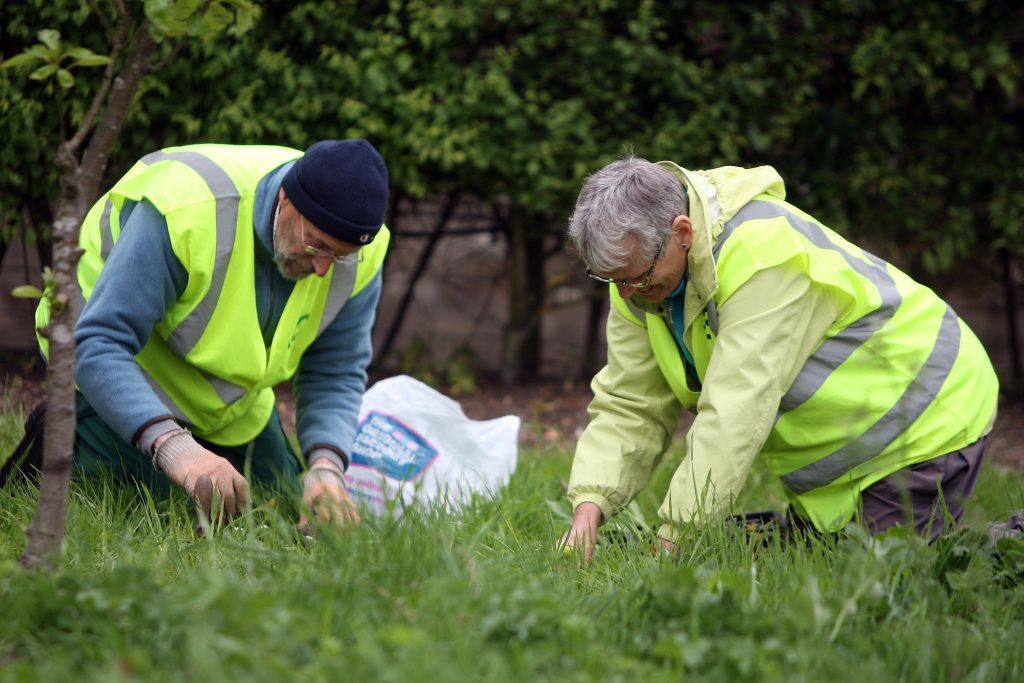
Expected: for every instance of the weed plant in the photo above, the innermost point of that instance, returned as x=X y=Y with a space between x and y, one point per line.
x=485 y=596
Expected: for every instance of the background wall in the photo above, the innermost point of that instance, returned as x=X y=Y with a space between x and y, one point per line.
x=459 y=307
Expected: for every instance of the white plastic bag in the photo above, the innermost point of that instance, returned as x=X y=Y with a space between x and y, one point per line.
x=416 y=446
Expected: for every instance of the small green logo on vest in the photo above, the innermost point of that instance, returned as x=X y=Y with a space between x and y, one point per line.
x=298 y=324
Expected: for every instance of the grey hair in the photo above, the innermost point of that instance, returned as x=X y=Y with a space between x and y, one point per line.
x=629 y=200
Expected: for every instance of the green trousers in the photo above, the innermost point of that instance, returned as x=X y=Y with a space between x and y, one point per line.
x=268 y=460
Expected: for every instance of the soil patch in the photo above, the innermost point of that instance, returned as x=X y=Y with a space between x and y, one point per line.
x=555 y=414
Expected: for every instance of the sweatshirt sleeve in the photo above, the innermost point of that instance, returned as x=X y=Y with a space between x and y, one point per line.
x=140 y=280
x=632 y=418
x=331 y=379
x=767 y=330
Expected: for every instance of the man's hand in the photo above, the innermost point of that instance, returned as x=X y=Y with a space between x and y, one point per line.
x=583 y=533
x=210 y=480
x=665 y=547
x=324 y=496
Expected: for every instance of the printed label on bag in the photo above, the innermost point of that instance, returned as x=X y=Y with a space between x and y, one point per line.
x=390 y=447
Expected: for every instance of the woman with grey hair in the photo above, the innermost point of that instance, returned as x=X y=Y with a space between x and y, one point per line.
x=860 y=388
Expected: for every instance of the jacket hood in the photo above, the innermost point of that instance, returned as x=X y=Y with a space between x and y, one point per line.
x=736 y=187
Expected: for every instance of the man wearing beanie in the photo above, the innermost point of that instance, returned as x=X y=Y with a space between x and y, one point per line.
x=210 y=274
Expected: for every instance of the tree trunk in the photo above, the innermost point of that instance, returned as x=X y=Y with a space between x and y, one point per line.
x=521 y=354
x=421 y=267
x=80 y=181
x=46 y=533
x=596 y=307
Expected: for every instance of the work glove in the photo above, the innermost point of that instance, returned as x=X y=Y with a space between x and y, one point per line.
x=325 y=498
x=210 y=480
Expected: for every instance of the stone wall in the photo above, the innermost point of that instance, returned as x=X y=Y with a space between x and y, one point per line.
x=461 y=301
x=17 y=322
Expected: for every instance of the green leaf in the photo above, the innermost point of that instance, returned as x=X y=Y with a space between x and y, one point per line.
x=40 y=51
x=49 y=38
x=27 y=292
x=83 y=56
x=245 y=17
x=65 y=78
x=184 y=9
x=215 y=20
x=95 y=60
x=43 y=72
x=18 y=60
x=164 y=19
x=244 y=21
x=78 y=52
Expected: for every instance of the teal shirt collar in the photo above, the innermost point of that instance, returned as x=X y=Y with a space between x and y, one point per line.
x=676 y=305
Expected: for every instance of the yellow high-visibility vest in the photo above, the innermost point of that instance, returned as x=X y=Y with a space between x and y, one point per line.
x=876 y=394
x=206 y=359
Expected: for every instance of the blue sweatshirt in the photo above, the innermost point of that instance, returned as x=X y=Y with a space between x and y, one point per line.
x=142 y=278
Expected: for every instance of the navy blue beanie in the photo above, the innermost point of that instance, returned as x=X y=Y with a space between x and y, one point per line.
x=341 y=187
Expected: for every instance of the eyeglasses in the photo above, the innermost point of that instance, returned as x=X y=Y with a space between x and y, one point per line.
x=348 y=257
x=641 y=283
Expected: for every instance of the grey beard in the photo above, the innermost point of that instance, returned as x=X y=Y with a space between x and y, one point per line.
x=284 y=267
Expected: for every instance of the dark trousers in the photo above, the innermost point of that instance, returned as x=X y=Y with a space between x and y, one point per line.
x=912 y=495
x=929 y=495
x=266 y=460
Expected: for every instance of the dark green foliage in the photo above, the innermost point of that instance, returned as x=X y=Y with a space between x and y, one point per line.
x=898 y=123
x=896 y=119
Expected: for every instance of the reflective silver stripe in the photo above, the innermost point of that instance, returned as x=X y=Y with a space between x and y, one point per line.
x=187 y=334
x=637 y=311
x=106 y=235
x=834 y=351
x=227 y=391
x=712 y=313
x=729 y=228
x=79 y=303
x=178 y=413
x=910 y=406
x=343 y=281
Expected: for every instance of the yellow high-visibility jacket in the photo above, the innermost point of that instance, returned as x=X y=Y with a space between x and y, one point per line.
x=830 y=363
x=206 y=359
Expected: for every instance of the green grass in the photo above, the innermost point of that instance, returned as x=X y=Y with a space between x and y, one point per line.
x=483 y=597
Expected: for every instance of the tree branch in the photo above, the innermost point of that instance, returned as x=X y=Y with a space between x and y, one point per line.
x=108 y=28
x=120 y=41
x=501 y=220
x=153 y=68
x=123 y=91
x=396 y=324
